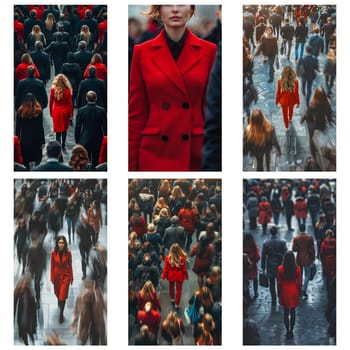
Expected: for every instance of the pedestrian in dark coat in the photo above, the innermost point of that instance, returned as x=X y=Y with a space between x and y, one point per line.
x=42 y=61
x=30 y=130
x=72 y=71
x=85 y=232
x=287 y=33
x=252 y=208
x=251 y=249
x=330 y=70
x=82 y=56
x=300 y=34
x=289 y=290
x=31 y=85
x=58 y=50
x=24 y=303
x=61 y=272
x=91 y=83
x=300 y=210
x=174 y=234
x=308 y=75
x=316 y=42
x=145 y=337
x=21 y=241
x=90 y=127
x=328 y=30
x=271 y=257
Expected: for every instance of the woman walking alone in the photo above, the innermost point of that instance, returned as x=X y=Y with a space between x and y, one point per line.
x=61 y=272
x=287 y=94
x=289 y=290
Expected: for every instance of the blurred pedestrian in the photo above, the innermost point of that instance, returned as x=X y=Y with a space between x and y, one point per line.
x=24 y=304
x=98 y=265
x=287 y=33
x=145 y=337
x=150 y=317
x=252 y=208
x=264 y=213
x=61 y=274
x=328 y=258
x=271 y=257
x=300 y=33
x=188 y=218
x=175 y=271
x=287 y=94
x=148 y=293
x=259 y=138
x=289 y=290
x=300 y=210
x=95 y=219
x=303 y=244
x=180 y=134
x=251 y=249
x=205 y=331
x=330 y=70
x=88 y=319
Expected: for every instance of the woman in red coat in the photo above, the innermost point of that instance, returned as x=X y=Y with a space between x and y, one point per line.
x=289 y=289
x=148 y=293
x=175 y=271
x=328 y=257
x=61 y=272
x=21 y=69
x=101 y=68
x=61 y=107
x=168 y=80
x=264 y=213
x=188 y=217
x=287 y=94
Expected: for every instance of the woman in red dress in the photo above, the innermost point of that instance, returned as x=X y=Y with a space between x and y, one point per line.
x=61 y=272
x=287 y=94
x=289 y=289
x=175 y=271
x=61 y=107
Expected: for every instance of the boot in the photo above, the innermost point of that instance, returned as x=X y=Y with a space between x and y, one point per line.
x=61 y=304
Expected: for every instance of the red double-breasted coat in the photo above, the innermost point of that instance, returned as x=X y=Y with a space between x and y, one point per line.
x=61 y=110
x=166 y=104
x=61 y=273
x=175 y=273
x=289 y=289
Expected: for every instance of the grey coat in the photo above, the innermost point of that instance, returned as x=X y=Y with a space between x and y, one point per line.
x=272 y=254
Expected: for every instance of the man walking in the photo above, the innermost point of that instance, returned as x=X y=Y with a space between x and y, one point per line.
x=303 y=244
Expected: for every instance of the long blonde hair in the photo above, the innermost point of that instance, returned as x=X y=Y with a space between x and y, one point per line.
x=147 y=290
x=50 y=21
x=288 y=79
x=60 y=84
x=85 y=33
x=36 y=32
x=259 y=128
x=171 y=323
x=176 y=253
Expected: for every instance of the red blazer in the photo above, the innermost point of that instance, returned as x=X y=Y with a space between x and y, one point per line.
x=289 y=289
x=166 y=104
x=264 y=212
x=101 y=71
x=287 y=98
x=103 y=151
x=19 y=27
x=174 y=273
x=61 y=273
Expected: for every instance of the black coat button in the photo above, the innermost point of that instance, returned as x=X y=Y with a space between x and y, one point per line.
x=185 y=105
x=166 y=105
x=165 y=138
x=185 y=137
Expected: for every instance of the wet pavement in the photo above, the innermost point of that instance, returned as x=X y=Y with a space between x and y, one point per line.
x=311 y=325
x=295 y=143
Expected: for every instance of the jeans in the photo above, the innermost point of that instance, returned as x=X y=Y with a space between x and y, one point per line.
x=296 y=52
x=285 y=43
x=272 y=70
x=272 y=285
x=308 y=84
x=305 y=271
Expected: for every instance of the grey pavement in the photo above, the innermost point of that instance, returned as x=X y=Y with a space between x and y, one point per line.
x=48 y=313
x=295 y=143
x=311 y=325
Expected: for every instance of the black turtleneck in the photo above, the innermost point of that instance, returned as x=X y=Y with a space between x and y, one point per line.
x=175 y=47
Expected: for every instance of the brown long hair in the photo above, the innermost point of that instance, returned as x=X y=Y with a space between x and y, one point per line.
x=30 y=107
x=176 y=253
x=288 y=79
x=319 y=97
x=153 y=11
x=259 y=128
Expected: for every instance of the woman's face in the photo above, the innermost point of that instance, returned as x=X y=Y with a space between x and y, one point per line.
x=60 y=244
x=175 y=16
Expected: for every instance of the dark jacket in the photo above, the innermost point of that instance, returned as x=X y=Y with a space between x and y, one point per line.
x=317 y=45
x=287 y=32
x=93 y=84
x=174 y=234
x=272 y=254
x=52 y=166
x=42 y=61
x=310 y=64
x=301 y=33
x=34 y=86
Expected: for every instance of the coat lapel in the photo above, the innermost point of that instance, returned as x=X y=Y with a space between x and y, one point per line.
x=164 y=61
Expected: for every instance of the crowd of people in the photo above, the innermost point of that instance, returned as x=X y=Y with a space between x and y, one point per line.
x=286 y=255
x=305 y=36
x=60 y=64
x=174 y=92
x=51 y=217
x=174 y=241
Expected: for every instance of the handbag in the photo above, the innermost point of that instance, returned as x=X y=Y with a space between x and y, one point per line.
x=263 y=281
x=191 y=314
x=313 y=271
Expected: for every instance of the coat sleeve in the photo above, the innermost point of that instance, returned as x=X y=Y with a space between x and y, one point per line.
x=278 y=92
x=51 y=101
x=70 y=264
x=296 y=91
x=52 y=267
x=138 y=108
